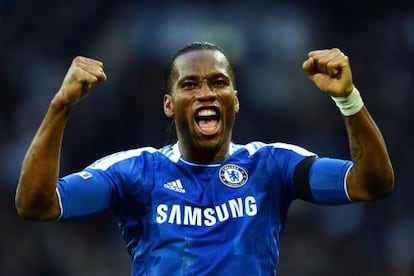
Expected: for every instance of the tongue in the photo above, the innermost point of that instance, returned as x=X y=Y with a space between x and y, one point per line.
x=208 y=126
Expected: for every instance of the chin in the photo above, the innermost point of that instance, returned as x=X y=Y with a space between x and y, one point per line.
x=212 y=143
x=208 y=145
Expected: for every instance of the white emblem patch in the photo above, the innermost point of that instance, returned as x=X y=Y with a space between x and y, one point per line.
x=84 y=174
x=233 y=176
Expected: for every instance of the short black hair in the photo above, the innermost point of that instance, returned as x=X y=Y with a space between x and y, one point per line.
x=194 y=46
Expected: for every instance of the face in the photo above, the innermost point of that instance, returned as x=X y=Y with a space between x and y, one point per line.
x=203 y=102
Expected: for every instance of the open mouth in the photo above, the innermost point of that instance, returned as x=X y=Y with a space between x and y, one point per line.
x=207 y=120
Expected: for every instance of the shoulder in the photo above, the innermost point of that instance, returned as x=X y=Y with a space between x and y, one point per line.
x=257 y=146
x=170 y=152
x=109 y=160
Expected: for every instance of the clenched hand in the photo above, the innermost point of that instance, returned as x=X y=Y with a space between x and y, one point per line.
x=330 y=71
x=83 y=74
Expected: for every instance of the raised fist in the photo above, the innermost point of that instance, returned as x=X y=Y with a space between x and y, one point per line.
x=81 y=77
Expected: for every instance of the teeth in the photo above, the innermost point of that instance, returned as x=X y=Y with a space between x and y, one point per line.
x=206 y=112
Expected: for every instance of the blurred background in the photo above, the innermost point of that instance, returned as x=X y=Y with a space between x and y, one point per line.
x=268 y=41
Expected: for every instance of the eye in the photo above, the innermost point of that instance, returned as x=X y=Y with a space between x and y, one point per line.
x=220 y=83
x=188 y=85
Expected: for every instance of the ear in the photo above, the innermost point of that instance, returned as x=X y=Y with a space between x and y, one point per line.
x=168 y=106
x=236 y=102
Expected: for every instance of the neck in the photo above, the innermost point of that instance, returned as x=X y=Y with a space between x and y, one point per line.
x=204 y=155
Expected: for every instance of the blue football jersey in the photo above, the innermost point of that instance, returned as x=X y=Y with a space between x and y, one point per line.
x=181 y=218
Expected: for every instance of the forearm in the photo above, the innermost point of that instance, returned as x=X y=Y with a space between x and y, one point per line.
x=372 y=175
x=36 y=191
x=36 y=196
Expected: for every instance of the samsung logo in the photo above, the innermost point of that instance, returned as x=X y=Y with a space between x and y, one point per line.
x=190 y=215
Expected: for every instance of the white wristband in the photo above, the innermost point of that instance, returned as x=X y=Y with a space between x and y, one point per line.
x=351 y=104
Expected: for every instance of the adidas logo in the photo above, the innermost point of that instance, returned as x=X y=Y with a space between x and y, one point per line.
x=175 y=186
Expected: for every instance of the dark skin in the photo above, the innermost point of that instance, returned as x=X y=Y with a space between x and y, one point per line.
x=36 y=196
x=372 y=175
x=203 y=103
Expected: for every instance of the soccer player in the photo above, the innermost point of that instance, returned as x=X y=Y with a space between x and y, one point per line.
x=203 y=205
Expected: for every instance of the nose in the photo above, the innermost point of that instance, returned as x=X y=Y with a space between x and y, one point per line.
x=205 y=92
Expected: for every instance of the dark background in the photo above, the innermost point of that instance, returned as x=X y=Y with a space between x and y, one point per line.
x=268 y=41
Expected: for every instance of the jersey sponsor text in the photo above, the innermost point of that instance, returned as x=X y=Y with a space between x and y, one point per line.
x=190 y=215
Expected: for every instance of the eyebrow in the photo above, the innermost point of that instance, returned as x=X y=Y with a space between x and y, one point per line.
x=211 y=76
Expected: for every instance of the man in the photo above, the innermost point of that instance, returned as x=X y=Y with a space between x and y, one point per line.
x=203 y=205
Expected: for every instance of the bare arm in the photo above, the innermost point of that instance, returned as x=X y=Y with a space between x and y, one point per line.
x=372 y=175
x=36 y=196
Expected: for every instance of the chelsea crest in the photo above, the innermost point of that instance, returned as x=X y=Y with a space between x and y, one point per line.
x=233 y=176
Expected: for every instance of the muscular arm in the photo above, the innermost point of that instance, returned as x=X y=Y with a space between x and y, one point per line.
x=36 y=196
x=372 y=175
